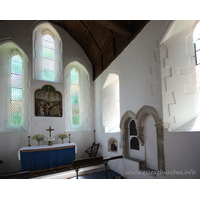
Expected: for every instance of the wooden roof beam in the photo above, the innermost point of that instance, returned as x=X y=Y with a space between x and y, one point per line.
x=118 y=26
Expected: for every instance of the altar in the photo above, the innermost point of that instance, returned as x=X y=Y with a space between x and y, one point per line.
x=42 y=157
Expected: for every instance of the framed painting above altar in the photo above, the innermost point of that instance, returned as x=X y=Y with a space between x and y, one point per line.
x=48 y=102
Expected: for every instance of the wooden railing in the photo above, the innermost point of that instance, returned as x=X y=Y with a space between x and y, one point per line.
x=92 y=161
x=17 y=175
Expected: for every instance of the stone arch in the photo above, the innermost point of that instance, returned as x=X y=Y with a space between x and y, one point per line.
x=141 y=116
x=125 y=120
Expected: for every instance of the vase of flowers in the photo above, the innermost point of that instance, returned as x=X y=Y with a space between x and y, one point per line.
x=62 y=136
x=38 y=138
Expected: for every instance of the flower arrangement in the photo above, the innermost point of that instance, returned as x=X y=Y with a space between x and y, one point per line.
x=62 y=136
x=37 y=137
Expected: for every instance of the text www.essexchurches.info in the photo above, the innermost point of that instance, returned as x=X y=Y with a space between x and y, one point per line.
x=160 y=172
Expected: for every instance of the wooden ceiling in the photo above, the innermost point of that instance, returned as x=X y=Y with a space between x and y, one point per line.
x=102 y=40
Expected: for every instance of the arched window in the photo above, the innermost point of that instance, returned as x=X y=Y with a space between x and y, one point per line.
x=111 y=103
x=47 y=55
x=16 y=91
x=48 y=58
x=75 y=97
x=196 y=38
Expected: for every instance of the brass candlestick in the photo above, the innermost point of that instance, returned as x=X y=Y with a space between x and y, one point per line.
x=29 y=141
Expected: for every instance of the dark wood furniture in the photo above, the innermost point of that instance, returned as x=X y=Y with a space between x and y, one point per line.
x=17 y=175
x=92 y=151
x=92 y=161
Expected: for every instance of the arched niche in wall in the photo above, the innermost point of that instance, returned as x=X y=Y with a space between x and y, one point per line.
x=124 y=126
x=141 y=116
x=134 y=143
x=111 y=103
x=112 y=145
x=133 y=130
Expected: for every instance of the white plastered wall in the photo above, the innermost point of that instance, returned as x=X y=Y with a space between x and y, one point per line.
x=10 y=142
x=138 y=67
x=179 y=88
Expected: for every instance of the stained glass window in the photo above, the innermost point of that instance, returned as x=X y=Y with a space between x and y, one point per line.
x=75 y=97
x=16 y=91
x=48 y=58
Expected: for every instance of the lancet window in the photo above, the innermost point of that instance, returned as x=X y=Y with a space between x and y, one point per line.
x=16 y=91
x=75 y=97
x=48 y=58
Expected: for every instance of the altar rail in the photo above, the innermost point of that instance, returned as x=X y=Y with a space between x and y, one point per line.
x=93 y=161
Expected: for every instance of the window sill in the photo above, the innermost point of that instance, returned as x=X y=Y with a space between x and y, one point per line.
x=191 y=126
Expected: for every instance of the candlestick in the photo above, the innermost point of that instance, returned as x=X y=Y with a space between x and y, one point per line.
x=69 y=138
x=29 y=141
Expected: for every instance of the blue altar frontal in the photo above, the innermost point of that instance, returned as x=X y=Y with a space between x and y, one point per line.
x=45 y=157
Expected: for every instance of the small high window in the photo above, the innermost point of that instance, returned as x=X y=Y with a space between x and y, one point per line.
x=16 y=91
x=75 y=96
x=48 y=58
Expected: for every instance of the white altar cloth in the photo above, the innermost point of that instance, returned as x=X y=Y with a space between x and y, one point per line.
x=46 y=147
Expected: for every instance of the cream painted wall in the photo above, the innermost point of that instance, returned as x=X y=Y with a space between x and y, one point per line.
x=11 y=140
x=138 y=68
x=178 y=73
x=140 y=72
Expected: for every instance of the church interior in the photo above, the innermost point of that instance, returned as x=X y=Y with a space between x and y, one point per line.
x=131 y=86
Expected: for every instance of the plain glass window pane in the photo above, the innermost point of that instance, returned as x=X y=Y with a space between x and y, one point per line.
x=16 y=80
x=74 y=89
x=16 y=65
x=48 y=53
x=75 y=99
x=74 y=77
x=48 y=75
x=16 y=107
x=16 y=120
x=75 y=110
x=48 y=64
x=16 y=94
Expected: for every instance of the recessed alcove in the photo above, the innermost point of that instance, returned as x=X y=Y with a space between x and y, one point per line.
x=112 y=145
x=133 y=130
x=134 y=143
